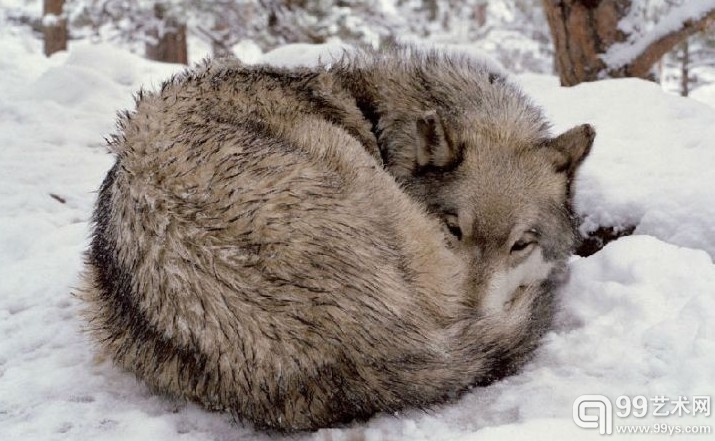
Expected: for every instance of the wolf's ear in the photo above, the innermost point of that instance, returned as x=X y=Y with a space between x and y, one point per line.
x=569 y=149
x=432 y=147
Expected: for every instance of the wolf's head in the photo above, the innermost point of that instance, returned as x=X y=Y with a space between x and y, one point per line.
x=468 y=144
x=504 y=197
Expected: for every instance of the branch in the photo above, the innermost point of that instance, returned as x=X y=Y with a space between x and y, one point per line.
x=636 y=57
x=208 y=35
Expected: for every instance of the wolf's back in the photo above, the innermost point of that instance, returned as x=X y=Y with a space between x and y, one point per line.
x=269 y=268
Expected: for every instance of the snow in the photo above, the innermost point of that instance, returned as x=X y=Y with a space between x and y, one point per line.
x=50 y=20
x=704 y=94
x=247 y=51
x=301 y=54
x=637 y=318
x=621 y=54
x=651 y=164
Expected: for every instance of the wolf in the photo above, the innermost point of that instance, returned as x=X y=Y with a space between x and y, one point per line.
x=308 y=247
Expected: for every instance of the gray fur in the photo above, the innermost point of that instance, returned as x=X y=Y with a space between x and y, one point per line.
x=277 y=243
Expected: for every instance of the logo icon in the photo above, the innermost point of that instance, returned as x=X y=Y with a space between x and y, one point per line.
x=601 y=420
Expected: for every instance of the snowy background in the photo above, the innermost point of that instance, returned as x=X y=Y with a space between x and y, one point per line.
x=637 y=318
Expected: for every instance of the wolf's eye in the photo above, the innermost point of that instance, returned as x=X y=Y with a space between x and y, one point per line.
x=520 y=244
x=455 y=231
x=452 y=223
x=527 y=240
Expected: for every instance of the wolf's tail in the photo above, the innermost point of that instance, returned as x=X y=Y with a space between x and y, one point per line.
x=501 y=342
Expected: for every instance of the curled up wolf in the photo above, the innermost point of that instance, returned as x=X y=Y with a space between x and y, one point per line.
x=312 y=246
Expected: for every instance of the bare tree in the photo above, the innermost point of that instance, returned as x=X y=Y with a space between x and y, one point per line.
x=685 y=77
x=690 y=64
x=224 y=23
x=166 y=40
x=600 y=38
x=54 y=26
x=480 y=14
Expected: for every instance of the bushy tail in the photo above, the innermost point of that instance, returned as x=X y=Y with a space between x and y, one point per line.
x=503 y=341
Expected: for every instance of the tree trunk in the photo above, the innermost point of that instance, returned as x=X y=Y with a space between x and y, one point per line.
x=219 y=46
x=54 y=27
x=167 y=40
x=590 y=46
x=582 y=30
x=480 y=14
x=685 y=70
x=432 y=8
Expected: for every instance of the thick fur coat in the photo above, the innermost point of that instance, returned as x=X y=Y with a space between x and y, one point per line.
x=307 y=247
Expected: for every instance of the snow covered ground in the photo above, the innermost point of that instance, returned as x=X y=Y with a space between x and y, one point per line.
x=704 y=94
x=638 y=318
